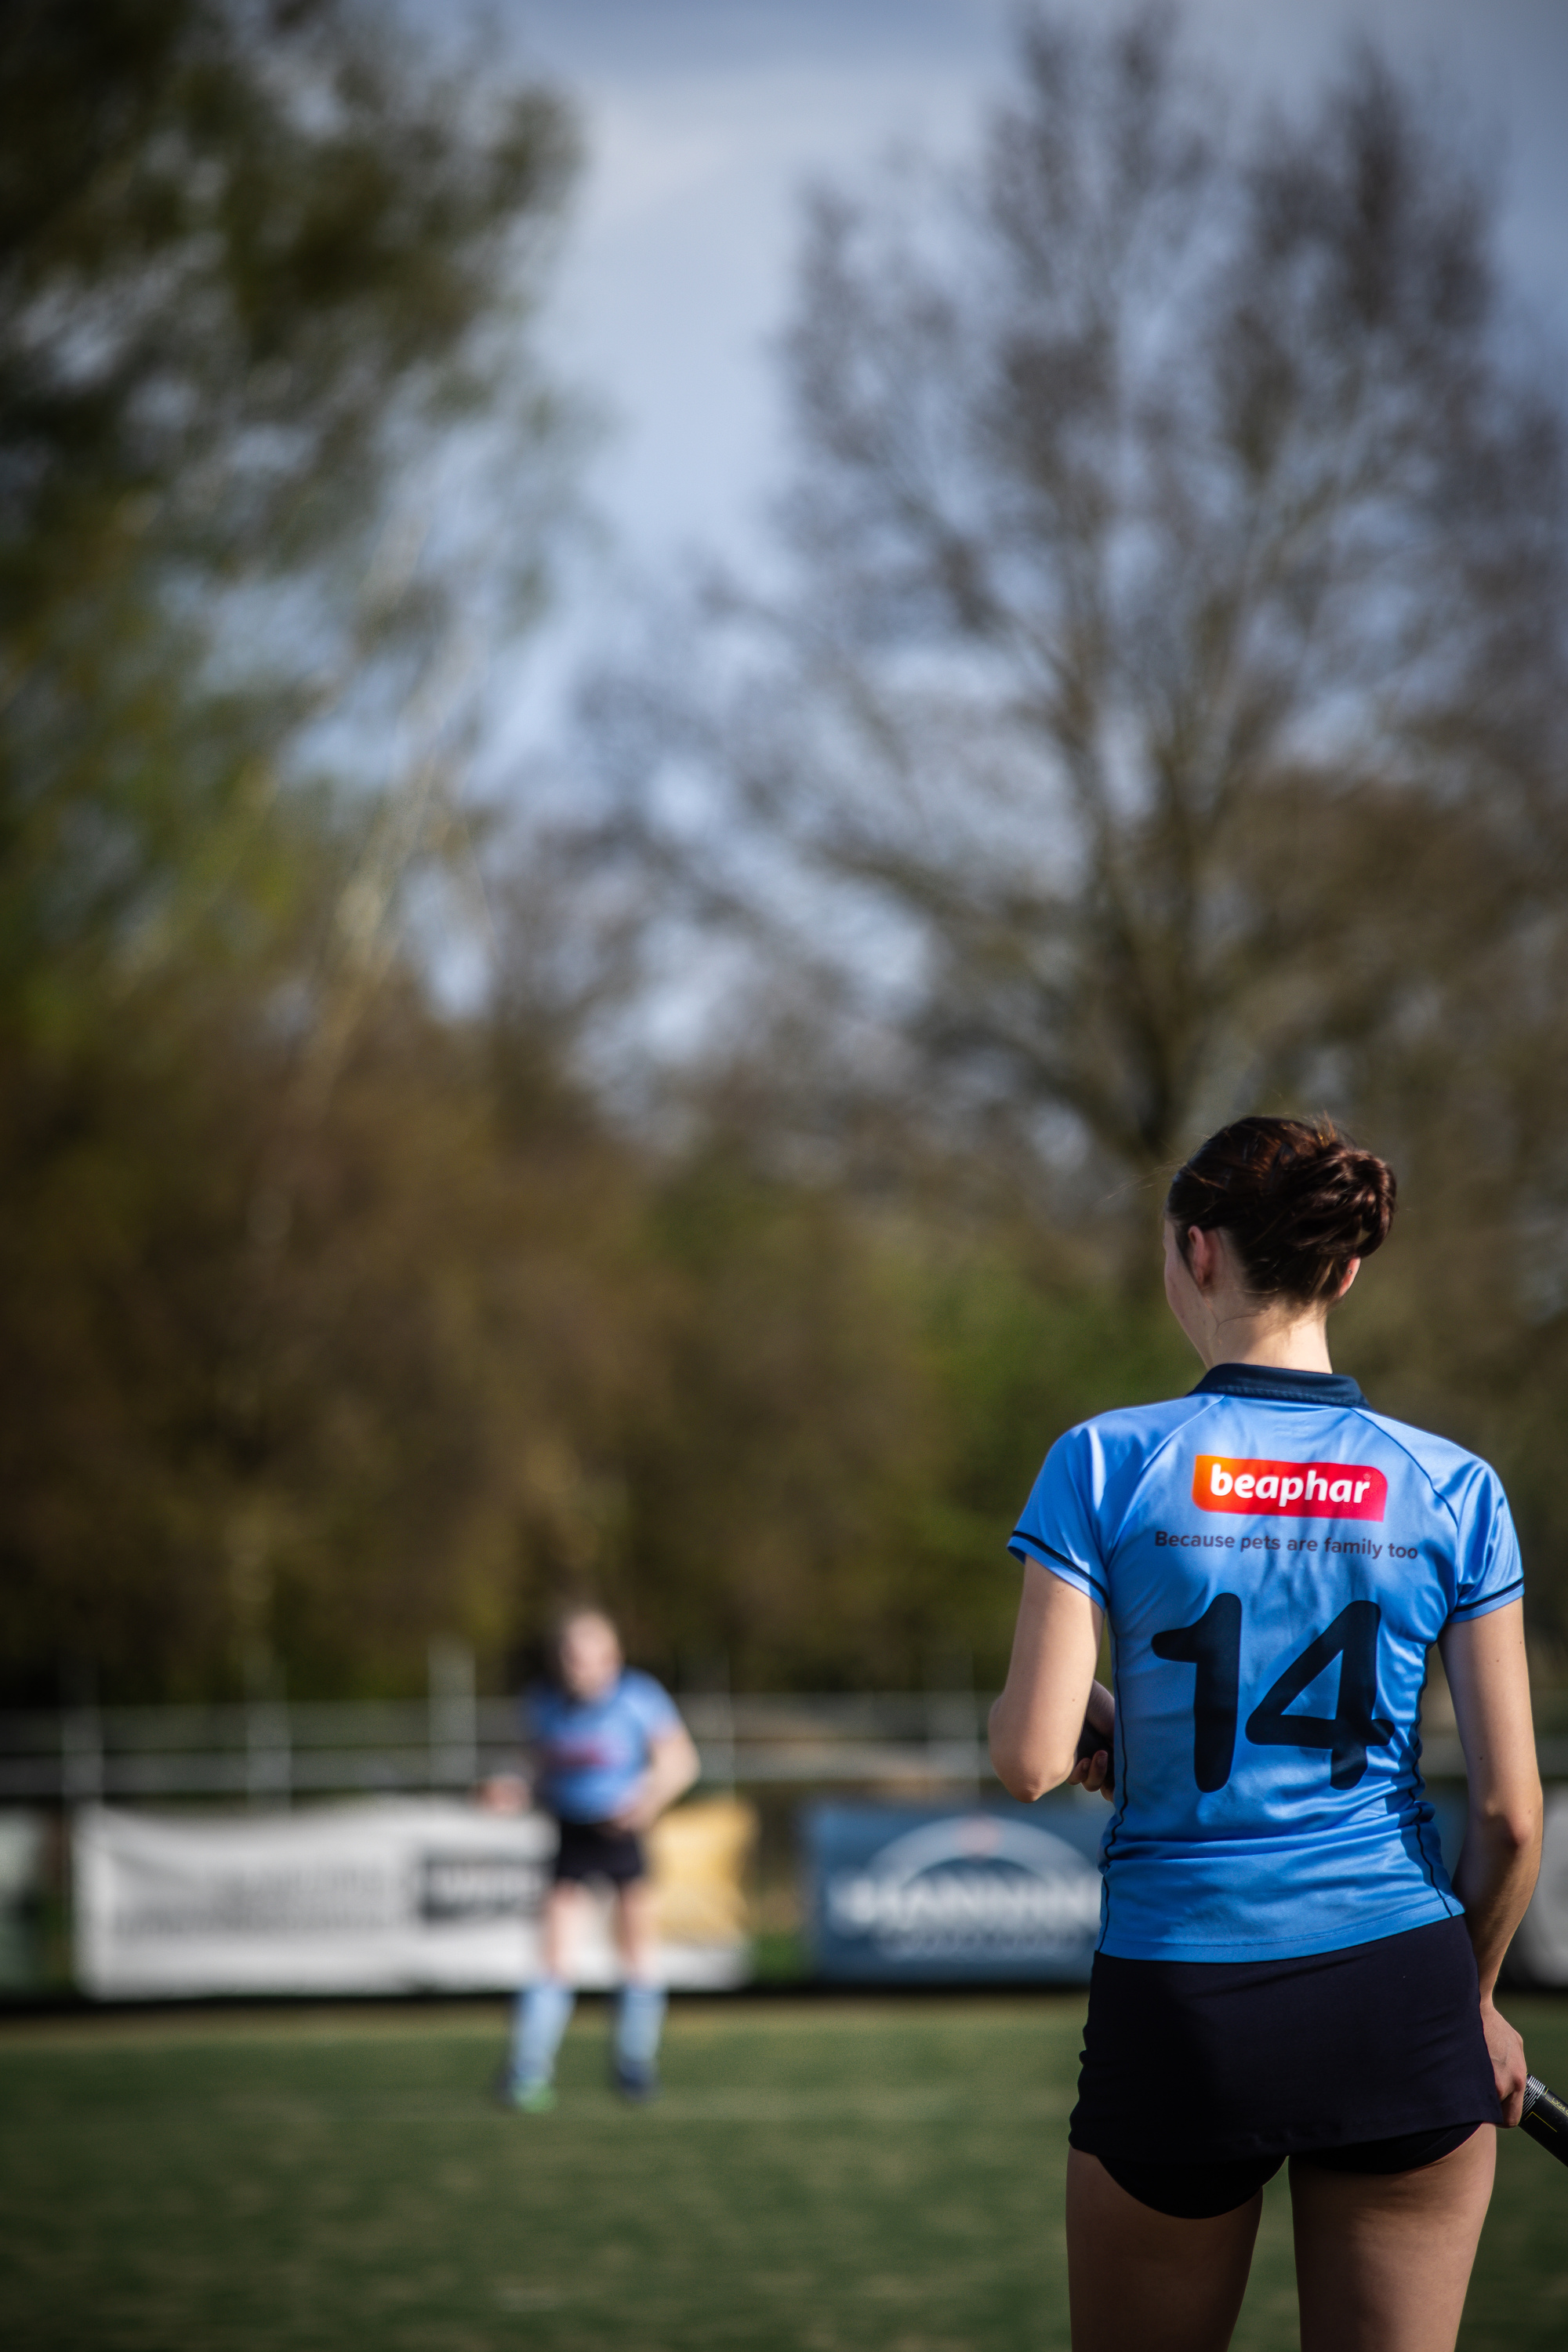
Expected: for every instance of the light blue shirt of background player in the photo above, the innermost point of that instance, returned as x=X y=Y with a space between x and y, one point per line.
x=593 y=1753
x=1275 y=1559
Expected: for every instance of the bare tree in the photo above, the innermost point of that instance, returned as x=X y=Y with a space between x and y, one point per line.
x=1169 y=651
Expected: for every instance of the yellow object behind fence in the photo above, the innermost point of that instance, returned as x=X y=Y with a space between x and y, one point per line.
x=700 y=1855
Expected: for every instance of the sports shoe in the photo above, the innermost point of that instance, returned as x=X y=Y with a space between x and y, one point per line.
x=526 y=2098
x=636 y=2084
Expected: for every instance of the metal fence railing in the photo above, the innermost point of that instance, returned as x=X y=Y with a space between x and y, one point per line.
x=270 y=1751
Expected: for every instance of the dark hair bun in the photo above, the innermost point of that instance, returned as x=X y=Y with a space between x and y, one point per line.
x=1297 y=1198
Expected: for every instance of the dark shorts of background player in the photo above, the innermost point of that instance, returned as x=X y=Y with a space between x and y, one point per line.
x=1200 y=2078
x=599 y=1850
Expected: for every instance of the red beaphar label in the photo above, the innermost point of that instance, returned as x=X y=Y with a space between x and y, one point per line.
x=1295 y=1490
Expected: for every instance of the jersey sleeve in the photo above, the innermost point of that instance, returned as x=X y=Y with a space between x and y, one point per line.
x=1491 y=1573
x=655 y=1710
x=1058 y=1528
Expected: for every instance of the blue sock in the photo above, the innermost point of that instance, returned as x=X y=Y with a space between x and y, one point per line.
x=639 y=2020
x=543 y=2011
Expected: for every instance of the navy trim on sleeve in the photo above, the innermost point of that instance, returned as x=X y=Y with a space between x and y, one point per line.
x=1272 y=1384
x=1023 y=1536
x=1486 y=1599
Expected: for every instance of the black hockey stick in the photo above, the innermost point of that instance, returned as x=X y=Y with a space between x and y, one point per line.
x=1545 y=2118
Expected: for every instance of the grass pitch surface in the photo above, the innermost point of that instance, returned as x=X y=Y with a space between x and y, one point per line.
x=863 y=2178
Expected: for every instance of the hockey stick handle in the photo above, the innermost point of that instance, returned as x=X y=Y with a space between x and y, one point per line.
x=1090 y=1742
x=1545 y=2117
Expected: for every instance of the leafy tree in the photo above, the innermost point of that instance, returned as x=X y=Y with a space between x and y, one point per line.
x=265 y=276
x=1157 y=710
x=246 y=255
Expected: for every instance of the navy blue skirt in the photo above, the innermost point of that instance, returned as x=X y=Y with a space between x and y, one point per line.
x=591 y=1850
x=1199 y=2061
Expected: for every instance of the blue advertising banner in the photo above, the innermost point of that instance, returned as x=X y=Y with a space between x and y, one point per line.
x=929 y=1895
x=993 y=1892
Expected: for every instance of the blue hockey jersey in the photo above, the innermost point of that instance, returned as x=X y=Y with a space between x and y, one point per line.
x=1274 y=1559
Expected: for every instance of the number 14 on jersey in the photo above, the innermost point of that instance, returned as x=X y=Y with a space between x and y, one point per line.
x=1213 y=1647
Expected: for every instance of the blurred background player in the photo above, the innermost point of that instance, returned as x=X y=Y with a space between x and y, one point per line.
x=608 y=1752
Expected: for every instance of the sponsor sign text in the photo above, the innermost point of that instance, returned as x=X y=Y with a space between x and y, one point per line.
x=1297 y=1490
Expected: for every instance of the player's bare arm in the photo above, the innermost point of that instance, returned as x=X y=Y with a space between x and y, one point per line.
x=1489 y=1677
x=672 y=1769
x=1050 y=1697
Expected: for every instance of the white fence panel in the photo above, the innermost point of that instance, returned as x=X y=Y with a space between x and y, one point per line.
x=379 y=1896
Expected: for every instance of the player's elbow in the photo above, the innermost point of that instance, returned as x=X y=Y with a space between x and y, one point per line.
x=1514 y=1828
x=1024 y=1768
x=1508 y=1820
x=680 y=1765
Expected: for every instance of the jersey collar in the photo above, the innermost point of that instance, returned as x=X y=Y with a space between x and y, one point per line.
x=1271 y=1384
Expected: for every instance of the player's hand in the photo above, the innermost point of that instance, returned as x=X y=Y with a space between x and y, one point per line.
x=504 y=1792
x=1094 y=1773
x=1095 y=1769
x=1508 y=2069
x=640 y=1810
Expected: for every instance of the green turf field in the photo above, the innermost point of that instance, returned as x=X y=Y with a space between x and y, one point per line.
x=817 y=2176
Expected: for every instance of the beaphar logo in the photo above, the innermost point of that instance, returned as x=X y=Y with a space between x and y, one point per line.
x=1296 y=1490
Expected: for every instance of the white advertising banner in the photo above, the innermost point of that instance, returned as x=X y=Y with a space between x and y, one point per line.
x=1540 y=1946
x=407 y=1894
